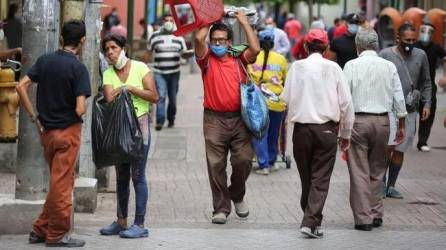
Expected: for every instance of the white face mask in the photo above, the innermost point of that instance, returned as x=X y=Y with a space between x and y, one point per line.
x=122 y=61
x=169 y=26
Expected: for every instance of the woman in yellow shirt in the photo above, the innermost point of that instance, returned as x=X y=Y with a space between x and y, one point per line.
x=137 y=78
x=269 y=73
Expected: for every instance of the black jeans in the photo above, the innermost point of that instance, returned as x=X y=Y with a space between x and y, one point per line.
x=425 y=126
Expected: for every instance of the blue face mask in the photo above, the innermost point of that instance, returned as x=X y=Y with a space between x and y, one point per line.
x=219 y=50
x=353 y=29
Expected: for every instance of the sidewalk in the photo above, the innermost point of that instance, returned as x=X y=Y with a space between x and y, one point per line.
x=180 y=204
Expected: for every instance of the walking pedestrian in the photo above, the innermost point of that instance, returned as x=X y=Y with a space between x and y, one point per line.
x=281 y=42
x=223 y=127
x=319 y=105
x=434 y=53
x=376 y=91
x=62 y=82
x=136 y=77
x=269 y=71
x=343 y=48
x=413 y=69
x=167 y=50
x=292 y=29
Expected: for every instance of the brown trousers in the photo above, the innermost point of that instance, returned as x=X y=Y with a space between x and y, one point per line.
x=61 y=148
x=367 y=165
x=224 y=133
x=314 y=149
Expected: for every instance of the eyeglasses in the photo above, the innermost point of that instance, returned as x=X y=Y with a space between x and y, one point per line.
x=219 y=40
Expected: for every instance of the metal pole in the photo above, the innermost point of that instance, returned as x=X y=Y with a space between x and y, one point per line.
x=345 y=7
x=130 y=8
x=40 y=35
x=90 y=57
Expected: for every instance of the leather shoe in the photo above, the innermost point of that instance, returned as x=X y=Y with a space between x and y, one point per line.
x=377 y=222
x=364 y=227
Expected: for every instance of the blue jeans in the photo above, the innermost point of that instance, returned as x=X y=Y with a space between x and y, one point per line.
x=167 y=85
x=267 y=148
x=138 y=174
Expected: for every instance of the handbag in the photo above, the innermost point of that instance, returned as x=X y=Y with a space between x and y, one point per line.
x=254 y=110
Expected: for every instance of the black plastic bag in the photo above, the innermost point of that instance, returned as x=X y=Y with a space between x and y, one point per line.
x=116 y=135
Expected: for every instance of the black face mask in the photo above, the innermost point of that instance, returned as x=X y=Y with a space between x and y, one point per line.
x=407 y=47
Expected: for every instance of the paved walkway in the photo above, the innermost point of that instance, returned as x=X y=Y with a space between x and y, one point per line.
x=180 y=200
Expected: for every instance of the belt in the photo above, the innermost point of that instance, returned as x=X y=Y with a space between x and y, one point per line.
x=223 y=114
x=371 y=114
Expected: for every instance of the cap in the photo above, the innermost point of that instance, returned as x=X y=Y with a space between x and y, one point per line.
x=317 y=35
x=353 y=18
x=266 y=35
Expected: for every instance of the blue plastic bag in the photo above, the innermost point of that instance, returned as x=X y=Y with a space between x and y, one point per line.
x=254 y=109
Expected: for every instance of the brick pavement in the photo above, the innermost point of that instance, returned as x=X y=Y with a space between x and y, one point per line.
x=180 y=199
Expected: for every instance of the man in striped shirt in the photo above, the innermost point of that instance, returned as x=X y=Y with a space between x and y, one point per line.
x=166 y=49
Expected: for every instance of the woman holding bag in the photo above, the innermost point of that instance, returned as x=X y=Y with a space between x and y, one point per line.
x=269 y=73
x=138 y=80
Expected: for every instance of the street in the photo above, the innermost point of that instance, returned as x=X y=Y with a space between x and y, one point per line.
x=180 y=205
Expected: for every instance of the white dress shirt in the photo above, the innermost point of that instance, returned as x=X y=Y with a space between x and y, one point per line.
x=316 y=92
x=375 y=85
x=281 y=42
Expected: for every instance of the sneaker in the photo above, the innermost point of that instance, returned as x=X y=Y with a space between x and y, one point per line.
x=364 y=227
x=219 y=218
x=275 y=167
x=393 y=193
x=134 y=231
x=35 y=239
x=171 y=124
x=241 y=209
x=113 y=229
x=425 y=148
x=67 y=241
x=262 y=171
x=312 y=233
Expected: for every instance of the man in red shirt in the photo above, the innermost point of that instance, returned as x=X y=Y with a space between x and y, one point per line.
x=223 y=127
x=292 y=29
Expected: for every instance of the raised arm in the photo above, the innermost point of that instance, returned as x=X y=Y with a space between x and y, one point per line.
x=253 y=42
x=200 y=41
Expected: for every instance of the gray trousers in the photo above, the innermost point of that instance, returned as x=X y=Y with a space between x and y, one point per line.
x=367 y=164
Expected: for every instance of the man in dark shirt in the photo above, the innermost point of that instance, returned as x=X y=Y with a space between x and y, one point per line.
x=343 y=48
x=434 y=52
x=62 y=88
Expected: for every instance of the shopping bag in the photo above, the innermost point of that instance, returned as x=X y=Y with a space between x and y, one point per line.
x=254 y=110
x=116 y=135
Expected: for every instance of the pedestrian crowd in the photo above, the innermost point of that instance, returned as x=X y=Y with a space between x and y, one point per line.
x=341 y=91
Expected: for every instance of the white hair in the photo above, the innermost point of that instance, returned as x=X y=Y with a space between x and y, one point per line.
x=367 y=39
x=318 y=24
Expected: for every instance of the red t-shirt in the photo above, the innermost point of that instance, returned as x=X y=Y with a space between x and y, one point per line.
x=221 y=79
x=339 y=31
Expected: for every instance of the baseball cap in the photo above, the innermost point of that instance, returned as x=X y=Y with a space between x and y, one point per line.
x=317 y=35
x=353 y=18
x=266 y=35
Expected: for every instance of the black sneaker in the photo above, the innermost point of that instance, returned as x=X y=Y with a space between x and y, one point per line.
x=35 y=239
x=377 y=222
x=67 y=242
x=171 y=124
x=158 y=127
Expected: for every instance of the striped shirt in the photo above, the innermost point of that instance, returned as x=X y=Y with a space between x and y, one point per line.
x=167 y=50
x=375 y=85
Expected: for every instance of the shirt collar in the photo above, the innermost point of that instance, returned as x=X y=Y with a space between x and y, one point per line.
x=315 y=55
x=368 y=53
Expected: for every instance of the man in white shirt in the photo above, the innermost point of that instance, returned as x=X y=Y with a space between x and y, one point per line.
x=376 y=91
x=319 y=104
x=281 y=42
